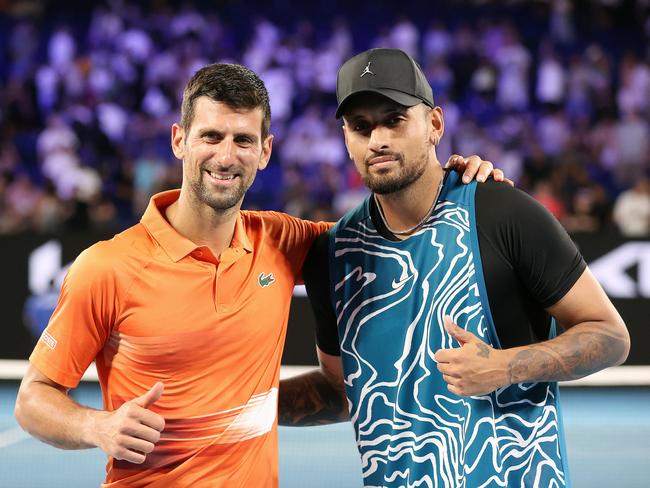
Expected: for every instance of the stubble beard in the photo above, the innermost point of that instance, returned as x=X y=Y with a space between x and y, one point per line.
x=220 y=200
x=405 y=177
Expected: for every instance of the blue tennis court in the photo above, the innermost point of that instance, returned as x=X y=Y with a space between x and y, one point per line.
x=608 y=432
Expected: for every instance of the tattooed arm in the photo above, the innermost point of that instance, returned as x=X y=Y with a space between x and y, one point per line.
x=314 y=398
x=596 y=338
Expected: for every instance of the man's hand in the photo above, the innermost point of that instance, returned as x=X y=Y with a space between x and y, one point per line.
x=131 y=431
x=474 y=368
x=474 y=166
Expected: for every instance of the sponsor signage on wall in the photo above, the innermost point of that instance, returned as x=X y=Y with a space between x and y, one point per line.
x=33 y=268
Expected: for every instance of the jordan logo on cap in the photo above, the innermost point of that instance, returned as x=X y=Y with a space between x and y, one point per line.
x=366 y=70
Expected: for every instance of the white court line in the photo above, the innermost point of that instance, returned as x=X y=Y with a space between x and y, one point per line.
x=14 y=369
x=12 y=436
x=616 y=376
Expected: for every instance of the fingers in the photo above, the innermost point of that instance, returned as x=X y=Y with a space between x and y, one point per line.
x=150 y=397
x=143 y=432
x=448 y=371
x=132 y=440
x=133 y=449
x=441 y=356
x=477 y=167
x=486 y=168
x=458 y=333
x=463 y=388
x=461 y=335
x=135 y=444
x=497 y=175
x=456 y=162
x=132 y=412
x=457 y=385
x=137 y=435
x=450 y=380
x=125 y=454
x=453 y=382
x=132 y=431
x=152 y=420
x=455 y=390
x=453 y=378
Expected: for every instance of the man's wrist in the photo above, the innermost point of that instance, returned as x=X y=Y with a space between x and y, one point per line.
x=506 y=358
x=90 y=429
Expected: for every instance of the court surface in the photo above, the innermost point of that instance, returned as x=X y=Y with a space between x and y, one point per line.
x=608 y=437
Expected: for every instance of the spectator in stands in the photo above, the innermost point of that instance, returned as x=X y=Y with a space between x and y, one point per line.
x=101 y=89
x=22 y=198
x=632 y=210
x=584 y=215
x=513 y=60
x=632 y=146
x=544 y=194
x=551 y=77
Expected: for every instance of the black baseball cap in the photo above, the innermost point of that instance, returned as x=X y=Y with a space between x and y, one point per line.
x=389 y=72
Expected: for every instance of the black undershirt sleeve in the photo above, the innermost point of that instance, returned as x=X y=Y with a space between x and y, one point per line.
x=317 y=277
x=529 y=263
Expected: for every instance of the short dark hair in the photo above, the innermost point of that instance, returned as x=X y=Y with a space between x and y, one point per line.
x=232 y=84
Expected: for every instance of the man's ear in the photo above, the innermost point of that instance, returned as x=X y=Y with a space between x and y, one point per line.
x=178 y=139
x=436 y=121
x=267 y=148
x=345 y=139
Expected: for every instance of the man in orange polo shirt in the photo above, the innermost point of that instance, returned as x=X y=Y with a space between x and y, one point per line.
x=184 y=314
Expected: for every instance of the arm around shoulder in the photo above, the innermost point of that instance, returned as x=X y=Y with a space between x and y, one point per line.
x=314 y=398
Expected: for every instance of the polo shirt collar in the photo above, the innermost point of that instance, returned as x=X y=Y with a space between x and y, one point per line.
x=240 y=237
x=174 y=244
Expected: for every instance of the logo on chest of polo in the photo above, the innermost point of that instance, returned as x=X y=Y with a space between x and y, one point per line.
x=265 y=280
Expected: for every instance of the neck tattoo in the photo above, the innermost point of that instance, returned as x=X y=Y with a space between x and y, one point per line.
x=410 y=230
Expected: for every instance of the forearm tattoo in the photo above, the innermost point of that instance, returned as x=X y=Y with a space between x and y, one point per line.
x=567 y=357
x=311 y=399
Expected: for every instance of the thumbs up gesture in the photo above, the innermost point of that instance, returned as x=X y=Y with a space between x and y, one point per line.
x=131 y=431
x=474 y=368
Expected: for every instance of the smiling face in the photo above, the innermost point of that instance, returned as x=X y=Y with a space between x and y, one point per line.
x=391 y=145
x=221 y=149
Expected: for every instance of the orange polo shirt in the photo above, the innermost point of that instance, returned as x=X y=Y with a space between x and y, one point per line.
x=149 y=305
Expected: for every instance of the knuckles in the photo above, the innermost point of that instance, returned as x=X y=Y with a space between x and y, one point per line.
x=130 y=409
x=148 y=447
x=121 y=453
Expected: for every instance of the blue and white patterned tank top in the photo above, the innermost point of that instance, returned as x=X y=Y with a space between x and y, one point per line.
x=390 y=299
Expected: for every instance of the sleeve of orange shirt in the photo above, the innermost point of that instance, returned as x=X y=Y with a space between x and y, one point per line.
x=82 y=320
x=296 y=237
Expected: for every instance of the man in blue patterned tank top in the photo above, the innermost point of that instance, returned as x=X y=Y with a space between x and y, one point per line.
x=437 y=305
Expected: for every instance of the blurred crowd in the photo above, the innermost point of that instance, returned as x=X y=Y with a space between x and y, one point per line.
x=555 y=93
